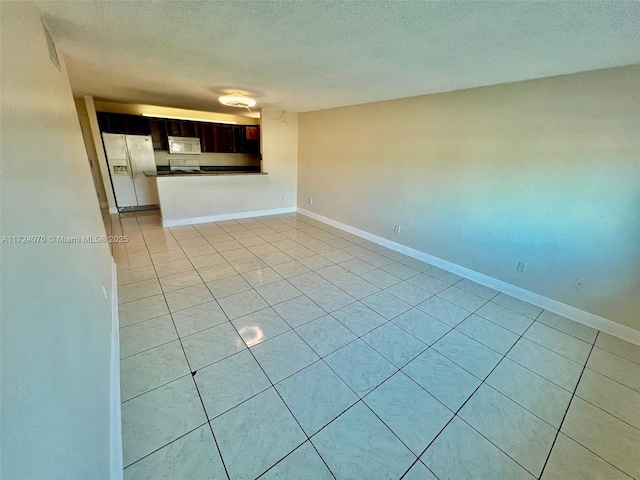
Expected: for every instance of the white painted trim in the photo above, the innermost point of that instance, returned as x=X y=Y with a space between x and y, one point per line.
x=225 y=216
x=580 y=316
x=104 y=205
x=115 y=421
x=113 y=210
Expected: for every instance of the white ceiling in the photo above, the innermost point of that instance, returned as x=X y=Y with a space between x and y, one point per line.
x=310 y=55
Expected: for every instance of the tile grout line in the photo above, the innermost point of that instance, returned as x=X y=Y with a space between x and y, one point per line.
x=163 y=446
x=617 y=355
x=155 y=388
x=615 y=381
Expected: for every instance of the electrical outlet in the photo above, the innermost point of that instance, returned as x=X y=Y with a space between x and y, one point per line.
x=396 y=229
x=577 y=284
x=522 y=267
x=310 y=201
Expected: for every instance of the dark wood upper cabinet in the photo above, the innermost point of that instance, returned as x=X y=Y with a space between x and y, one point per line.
x=127 y=124
x=206 y=137
x=182 y=128
x=174 y=128
x=239 y=139
x=252 y=139
x=188 y=129
x=136 y=125
x=223 y=136
x=158 y=127
x=214 y=137
x=112 y=123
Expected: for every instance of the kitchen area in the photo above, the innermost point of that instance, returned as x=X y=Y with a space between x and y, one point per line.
x=197 y=170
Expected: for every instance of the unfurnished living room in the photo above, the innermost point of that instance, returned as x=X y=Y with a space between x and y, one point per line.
x=320 y=240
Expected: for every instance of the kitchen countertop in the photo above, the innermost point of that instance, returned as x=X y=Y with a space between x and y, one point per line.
x=201 y=173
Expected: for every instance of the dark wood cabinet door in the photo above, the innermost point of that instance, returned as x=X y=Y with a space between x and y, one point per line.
x=206 y=137
x=127 y=124
x=173 y=128
x=223 y=136
x=158 y=127
x=111 y=122
x=103 y=122
x=252 y=139
x=136 y=125
x=239 y=139
x=188 y=129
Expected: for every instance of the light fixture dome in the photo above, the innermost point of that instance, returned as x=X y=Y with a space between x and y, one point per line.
x=237 y=101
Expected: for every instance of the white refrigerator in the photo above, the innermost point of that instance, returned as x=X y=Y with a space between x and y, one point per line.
x=129 y=156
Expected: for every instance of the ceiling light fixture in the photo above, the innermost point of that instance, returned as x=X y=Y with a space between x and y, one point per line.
x=237 y=101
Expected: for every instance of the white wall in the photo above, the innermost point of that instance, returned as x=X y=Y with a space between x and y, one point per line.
x=545 y=172
x=186 y=199
x=55 y=320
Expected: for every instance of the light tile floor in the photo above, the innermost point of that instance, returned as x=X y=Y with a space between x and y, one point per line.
x=280 y=347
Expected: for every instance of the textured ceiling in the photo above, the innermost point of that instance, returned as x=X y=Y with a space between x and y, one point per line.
x=311 y=55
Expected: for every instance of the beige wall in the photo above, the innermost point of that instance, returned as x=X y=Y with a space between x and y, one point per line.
x=55 y=320
x=545 y=172
x=279 y=148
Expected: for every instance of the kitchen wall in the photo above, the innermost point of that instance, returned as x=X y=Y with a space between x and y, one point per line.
x=188 y=199
x=212 y=159
x=545 y=172
x=55 y=319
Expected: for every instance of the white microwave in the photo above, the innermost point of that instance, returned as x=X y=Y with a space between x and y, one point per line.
x=184 y=145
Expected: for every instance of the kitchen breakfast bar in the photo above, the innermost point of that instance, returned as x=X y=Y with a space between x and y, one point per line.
x=209 y=195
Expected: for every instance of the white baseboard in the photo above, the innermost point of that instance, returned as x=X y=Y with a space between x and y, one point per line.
x=580 y=316
x=113 y=210
x=226 y=216
x=115 y=422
